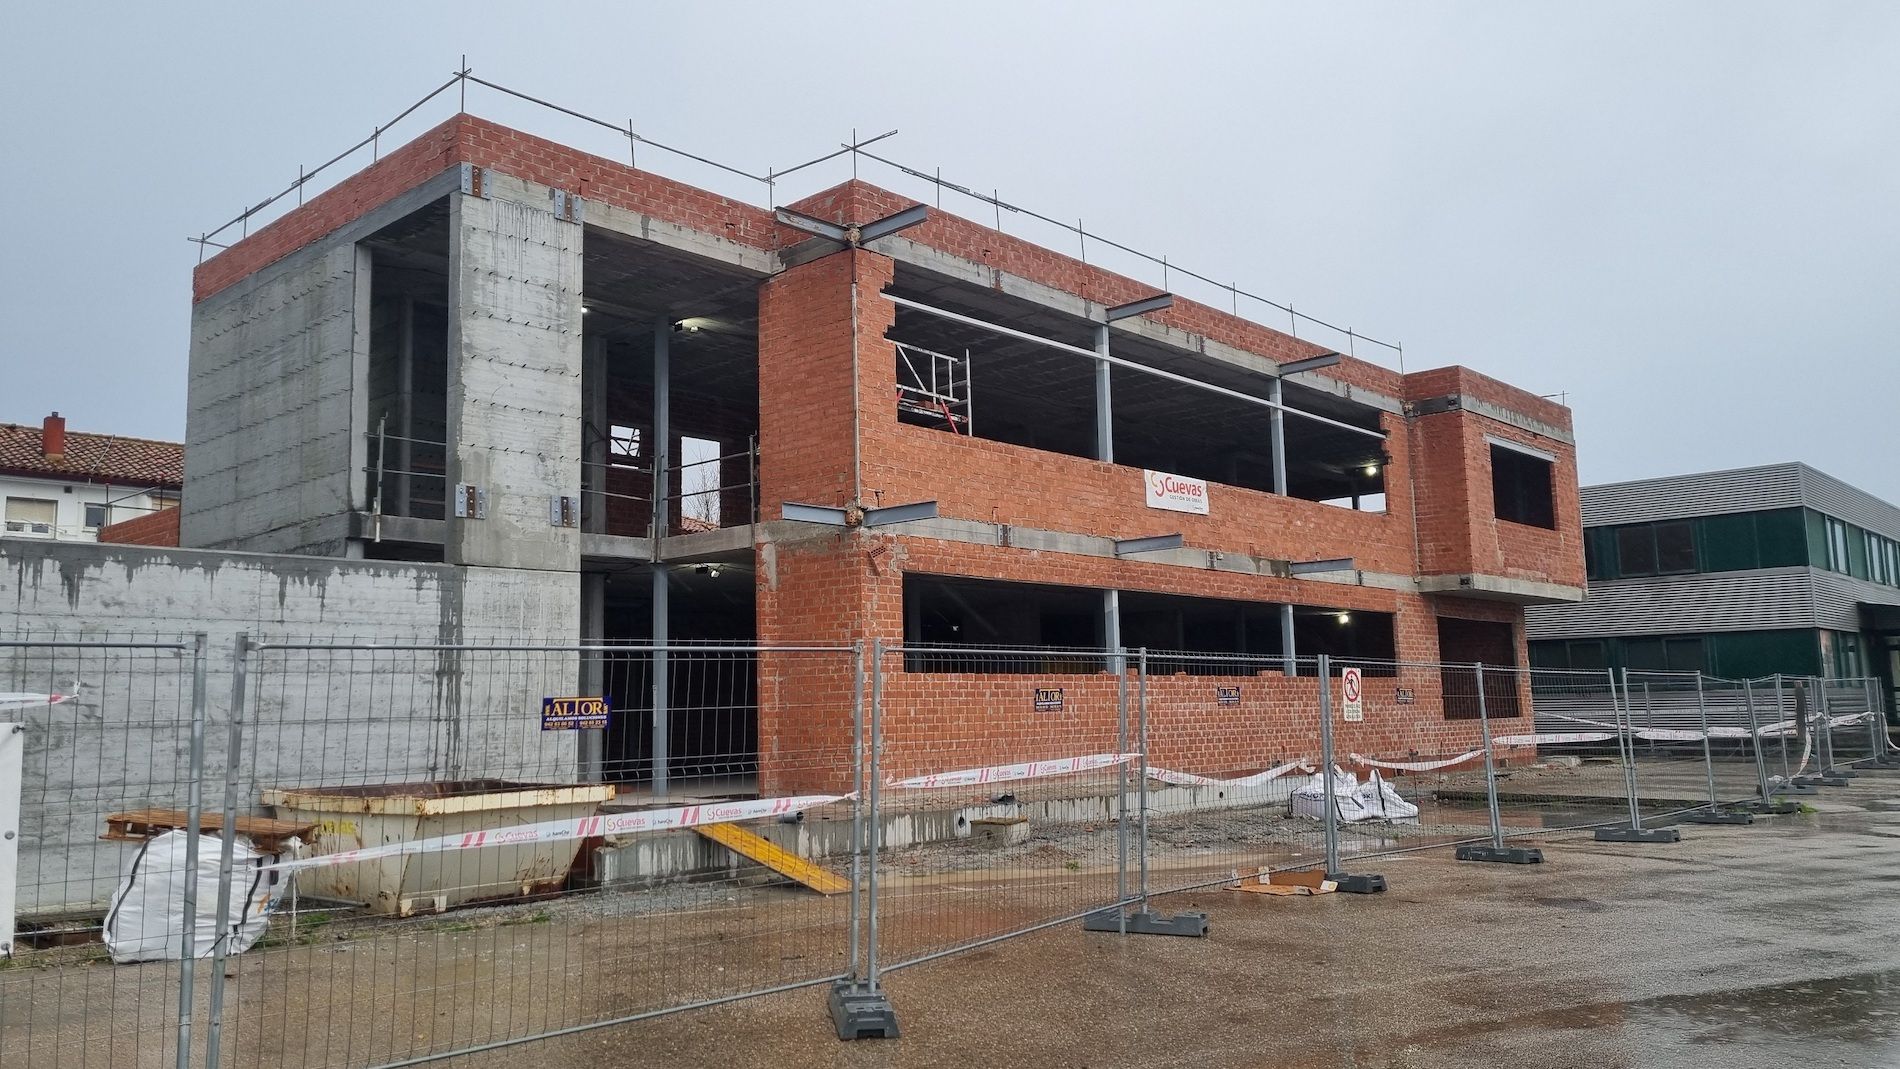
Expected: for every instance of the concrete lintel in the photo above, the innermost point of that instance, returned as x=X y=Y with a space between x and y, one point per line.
x=397 y=528
x=982 y=533
x=1517 y=419
x=700 y=243
x=1499 y=588
x=956 y=268
x=699 y=544
x=618 y=547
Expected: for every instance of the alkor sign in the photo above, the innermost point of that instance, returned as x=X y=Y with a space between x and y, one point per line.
x=1176 y=493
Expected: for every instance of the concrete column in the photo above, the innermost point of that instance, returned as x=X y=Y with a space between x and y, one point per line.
x=663 y=455
x=593 y=675
x=514 y=379
x=1104 y=403
x=663 y=445
x=662 y=736
x=594 y=431
x=362 y=478
x=397 y=501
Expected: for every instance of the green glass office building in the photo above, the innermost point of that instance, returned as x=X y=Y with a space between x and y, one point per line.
x=1739 y=573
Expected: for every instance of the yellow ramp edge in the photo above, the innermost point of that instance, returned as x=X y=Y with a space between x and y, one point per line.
x=776 y=858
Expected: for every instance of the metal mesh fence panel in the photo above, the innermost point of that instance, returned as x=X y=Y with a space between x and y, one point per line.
x=1575 y=776
x=1231 y=740
x=1003 y=785
x=96 y=748
x=456 y=884
x=1845 y=708
x=1667 y=745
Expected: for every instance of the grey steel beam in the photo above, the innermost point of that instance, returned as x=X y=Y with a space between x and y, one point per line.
x=1104 y=401
x=824 y=514
x=916 y=510
x=1148 y=544
x=811 y=225
x=891 y=224
x=1141 y=307
x=1311 y=363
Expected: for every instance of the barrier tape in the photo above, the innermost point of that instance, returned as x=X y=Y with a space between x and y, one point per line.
x=1414 y=766
x=1553 y=738
x=965 y=777
x=14 y=699
x=608 y=824
x=1189 y=779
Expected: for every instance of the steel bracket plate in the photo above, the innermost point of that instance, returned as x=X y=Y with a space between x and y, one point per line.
x=1638 y=835
x=860 y=1012
x=1503 y=855
x=1717 y=816
x=1191 y=925
x=471 y=502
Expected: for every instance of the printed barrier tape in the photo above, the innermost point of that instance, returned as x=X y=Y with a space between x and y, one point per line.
x=1415 y=766
x=609 y=824
x=13 y=699
x=1189 y=779
x=1552 y=738
x=1062 y=766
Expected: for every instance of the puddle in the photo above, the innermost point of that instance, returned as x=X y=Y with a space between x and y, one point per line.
x=1861 y=1008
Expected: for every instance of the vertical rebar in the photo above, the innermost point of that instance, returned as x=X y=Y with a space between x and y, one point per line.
x=194 y=813
x=1490 y=765
x=1141 y=781
x=227 y=850
x=1708 y=749
x=1754 y=740
x=857 y=803
x=1326 y=763
x=875 y=774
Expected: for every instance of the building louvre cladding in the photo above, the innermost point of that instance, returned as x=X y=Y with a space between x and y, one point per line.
x=1709 y=493
x=1838 y=598
x=1764 y=600
x=1824 y=493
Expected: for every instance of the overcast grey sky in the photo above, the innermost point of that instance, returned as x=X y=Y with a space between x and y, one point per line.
x=1684 y=216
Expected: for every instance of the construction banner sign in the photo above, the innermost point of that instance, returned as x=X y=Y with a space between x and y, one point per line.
x=574 y=714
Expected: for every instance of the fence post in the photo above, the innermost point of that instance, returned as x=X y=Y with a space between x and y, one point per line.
x=1626 y=748
x=1496 y=850
x=1877 y=726
x=1766 y=803
x=859 y=1009
x=1144 y=921
x=233 y=756
x=1824 y=727
x=1358 y=884
x=194 y=812
x=1714 y=813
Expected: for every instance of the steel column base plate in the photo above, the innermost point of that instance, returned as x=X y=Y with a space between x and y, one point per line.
x=860 y=1012
x=1717 y=816
x=1365 y=883
x=1638 y=835
x=1503 y=855
x=1191 y=925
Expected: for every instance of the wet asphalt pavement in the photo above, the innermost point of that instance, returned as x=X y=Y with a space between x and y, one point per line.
x=1771 y=945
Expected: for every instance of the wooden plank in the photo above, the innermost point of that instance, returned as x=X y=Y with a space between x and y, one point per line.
x=138 y=825
x=776 y=858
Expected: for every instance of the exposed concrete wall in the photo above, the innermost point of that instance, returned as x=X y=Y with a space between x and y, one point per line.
x=268 y=434
x=514 y=369
x=312 y=718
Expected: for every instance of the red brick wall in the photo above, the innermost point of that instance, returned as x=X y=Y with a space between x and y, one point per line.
x=158 y=528
x=805 y=398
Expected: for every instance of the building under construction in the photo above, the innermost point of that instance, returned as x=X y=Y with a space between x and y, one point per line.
x=626 y=410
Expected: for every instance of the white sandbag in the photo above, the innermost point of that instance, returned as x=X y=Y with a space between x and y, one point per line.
x=147 y=922
x=1356 y=802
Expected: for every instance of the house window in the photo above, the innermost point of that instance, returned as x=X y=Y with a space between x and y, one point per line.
x=1675 y=547
x=32 y=516
x=95 y=517
x=1521 y=487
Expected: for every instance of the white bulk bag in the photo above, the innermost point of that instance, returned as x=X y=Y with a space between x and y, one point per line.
x=146 y=921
